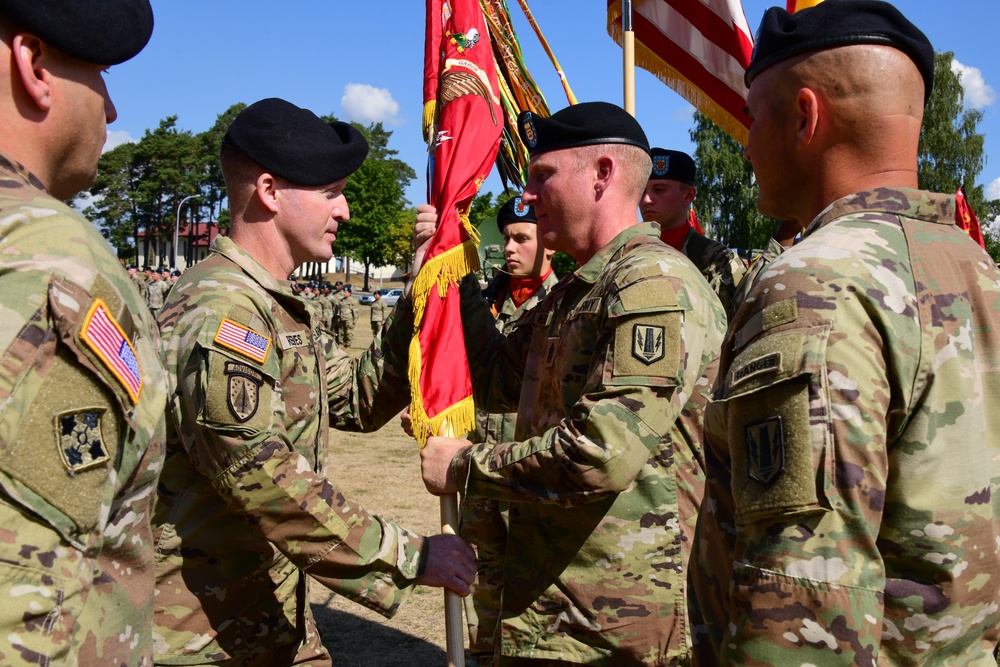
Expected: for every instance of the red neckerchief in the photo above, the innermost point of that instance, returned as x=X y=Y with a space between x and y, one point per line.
x=522 y=289
x=675 y=237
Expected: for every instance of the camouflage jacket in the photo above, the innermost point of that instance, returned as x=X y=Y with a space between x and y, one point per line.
x=82 y=399
x=324 y=304
x=142 y=287
x=246 y=506
x=499 y=426
x=378 y=311
x=156 y=292
x=603 y=481
x=720 y=265
x=347 y=311
x=757 y=265
x=853 y=459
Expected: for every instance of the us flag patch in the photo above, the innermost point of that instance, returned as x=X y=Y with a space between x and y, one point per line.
x=105 y=337
x=247 y=342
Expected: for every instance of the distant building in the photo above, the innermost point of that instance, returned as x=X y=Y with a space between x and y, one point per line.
x=198 y=237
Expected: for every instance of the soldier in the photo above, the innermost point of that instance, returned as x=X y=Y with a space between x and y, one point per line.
x=377 y=312
x=247 y=513
x=347 y=317
x=850 y=514
x=138 y=282
x=616 y=363
x=325 y=306
x=529 y=278
x=155 y=293
x=335 y=297
x=667 y=201
x=82 y=393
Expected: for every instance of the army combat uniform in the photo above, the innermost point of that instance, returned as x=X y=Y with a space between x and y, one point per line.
x=247 y=514
x=347 y=316
x=757 y=264
x=602 y=481
x=377 y=315
x=156 y=291
x=853 y=461
x=719 y=264
x=482 y=522
x=82 y=399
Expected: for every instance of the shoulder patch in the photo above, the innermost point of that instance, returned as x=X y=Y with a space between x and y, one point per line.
x=243 y=395
x=81 y=445
x=239 y=338
x=765 y=442
x=647 y=343
x=105 y=337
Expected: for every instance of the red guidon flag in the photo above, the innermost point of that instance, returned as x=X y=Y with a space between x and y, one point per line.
x=700 y=48
x=464 y=119
x=966 y=218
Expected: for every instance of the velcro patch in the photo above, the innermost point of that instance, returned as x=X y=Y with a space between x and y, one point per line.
x=287 y=341
x=107 y=340
x=765 y=364
x=243 y=393
x=648 y=346
x=242 y=340
x=647 y=343
x=81 y=445
x=765 y=441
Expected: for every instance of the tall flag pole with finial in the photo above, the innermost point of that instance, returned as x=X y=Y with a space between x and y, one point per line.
x=628 y=57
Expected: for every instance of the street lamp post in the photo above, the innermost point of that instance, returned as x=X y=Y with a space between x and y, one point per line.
x=177 y=225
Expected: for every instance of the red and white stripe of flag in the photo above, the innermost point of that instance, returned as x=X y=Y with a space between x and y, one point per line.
x=105 y=337
x=243 y=340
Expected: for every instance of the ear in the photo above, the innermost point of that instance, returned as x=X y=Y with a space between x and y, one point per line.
x=605 y=170
x=266 y=189
x=31 y=58
x=806 y=117
x=689 y=194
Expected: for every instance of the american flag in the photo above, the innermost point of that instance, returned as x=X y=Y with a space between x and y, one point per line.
x=245 y=341
x=105 y=337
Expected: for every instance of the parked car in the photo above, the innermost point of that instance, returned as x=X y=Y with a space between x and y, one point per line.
x=392 y=296
x=366 y=299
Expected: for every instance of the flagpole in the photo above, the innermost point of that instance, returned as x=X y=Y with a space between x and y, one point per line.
x=628 y=51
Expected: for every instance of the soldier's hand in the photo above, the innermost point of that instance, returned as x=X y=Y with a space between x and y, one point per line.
x=435 y=464
x=451 y=563
x=406 y=422
x=423 y=230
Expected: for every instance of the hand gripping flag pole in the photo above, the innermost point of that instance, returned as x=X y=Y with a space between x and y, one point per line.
x=463 y=122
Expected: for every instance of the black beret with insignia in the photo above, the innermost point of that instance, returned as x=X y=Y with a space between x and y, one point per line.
x=837 y=23
x=102 y=32
x=584 y=124
x=672 y=165
x=515 y=211
x=295 y=144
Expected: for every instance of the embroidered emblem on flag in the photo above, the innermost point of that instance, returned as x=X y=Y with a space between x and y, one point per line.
x=247 y=342
x=105 y=337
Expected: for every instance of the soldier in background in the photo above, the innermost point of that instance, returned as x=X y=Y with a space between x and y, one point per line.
x=247 y=513
x=667 y=201
x=611 y=371
x=377 y=311
x=137 y=280
x=326 y=306
x=155 y=292
x=347 y=317
x=853 y=456
x=82 y=392
x=335 y=298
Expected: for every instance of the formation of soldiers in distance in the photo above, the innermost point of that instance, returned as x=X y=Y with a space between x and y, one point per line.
x=678 y=459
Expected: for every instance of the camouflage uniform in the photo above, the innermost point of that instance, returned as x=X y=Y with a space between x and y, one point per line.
x=853 y=458
x=141 y=287
x=377 y=314
x=246 y=510
x=721 y=266
x=757 y=265
x=155 y=293
x=484 y=522
x=602 y=484
x=326 y=311
x=347 y=316
x=81 y=439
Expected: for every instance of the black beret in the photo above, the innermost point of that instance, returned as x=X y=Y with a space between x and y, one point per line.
x=295 y=144
x=102 y=32
x=837 y=23
x=673 y=165
x=338 y=284
x=584 y=124
x=514 y=211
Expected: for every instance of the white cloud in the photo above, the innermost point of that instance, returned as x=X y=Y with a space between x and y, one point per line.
x=115 y=139
x=993 y=190
x=684 y=114
x=368 y=104
x=977 y=93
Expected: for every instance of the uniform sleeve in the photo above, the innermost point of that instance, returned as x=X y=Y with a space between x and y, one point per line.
x=649 y=350
x=366 y=393
x=806 y=411
x=240 y=444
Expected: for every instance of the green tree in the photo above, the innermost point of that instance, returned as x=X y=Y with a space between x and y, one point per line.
x=113 y=206
x=951 y=148
x=400 y=252
x=726 y=204
x=214 y=186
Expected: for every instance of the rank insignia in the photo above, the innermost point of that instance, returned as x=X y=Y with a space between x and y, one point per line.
x=244 y=390
x=520 y=209
x=661 y=165
x=766 y=449
x=103 y=335
x=647 y=343
x=81 y=445
x=528 y=127
x=240 y=339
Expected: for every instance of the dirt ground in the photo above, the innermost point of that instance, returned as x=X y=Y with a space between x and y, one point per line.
x=381 y=470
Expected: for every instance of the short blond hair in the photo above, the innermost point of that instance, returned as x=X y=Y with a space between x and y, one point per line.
x=634 y=162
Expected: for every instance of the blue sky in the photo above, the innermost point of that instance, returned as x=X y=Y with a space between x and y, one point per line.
x=363 y=61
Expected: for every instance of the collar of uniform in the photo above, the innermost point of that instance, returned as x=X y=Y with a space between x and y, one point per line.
x=591 y=271
x=918 y=204
x=237 y=255
x=10 y=166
